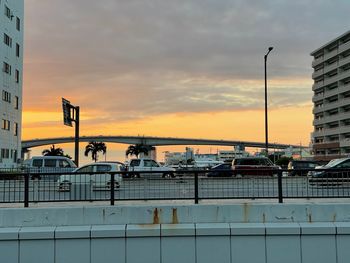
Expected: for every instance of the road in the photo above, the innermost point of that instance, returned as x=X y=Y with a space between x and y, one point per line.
x=169 y=189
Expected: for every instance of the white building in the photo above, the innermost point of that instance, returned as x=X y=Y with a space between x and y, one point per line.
x=224 y=155
x=11 y=59
x=331 y=64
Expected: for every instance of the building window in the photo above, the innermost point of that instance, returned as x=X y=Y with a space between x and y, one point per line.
x=17 y=50
x=6 y=96
x=8 y=12
x=6 y=68
x=15 y=155
x=5 y=153
x=5 y=125
x=17 y=76
x=16 y=102
x=15 y=129
x=18 y=24
x=7 y=40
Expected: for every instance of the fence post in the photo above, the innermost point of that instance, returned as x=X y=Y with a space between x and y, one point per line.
x=112 y=188
x=196 y=187
x=26 y=190
x=280 y=193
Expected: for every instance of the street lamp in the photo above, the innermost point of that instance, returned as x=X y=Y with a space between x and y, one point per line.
x=266 y=126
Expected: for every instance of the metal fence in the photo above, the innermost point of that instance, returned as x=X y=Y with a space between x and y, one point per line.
x=24 y=187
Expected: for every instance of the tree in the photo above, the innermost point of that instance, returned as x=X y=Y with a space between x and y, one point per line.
x=53 y=151
x=137 y=149
x=94 y=148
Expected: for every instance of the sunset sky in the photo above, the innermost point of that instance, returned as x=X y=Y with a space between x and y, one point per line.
x=174 y=68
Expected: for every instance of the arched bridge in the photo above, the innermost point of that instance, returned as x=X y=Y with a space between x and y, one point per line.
x=153 y=141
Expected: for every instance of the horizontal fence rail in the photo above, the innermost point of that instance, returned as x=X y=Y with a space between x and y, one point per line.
x=25 y=187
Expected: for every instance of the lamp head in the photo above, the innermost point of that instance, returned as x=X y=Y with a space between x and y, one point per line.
x=270 y=48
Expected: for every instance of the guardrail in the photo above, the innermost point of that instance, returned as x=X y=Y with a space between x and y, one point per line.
x=196 y=185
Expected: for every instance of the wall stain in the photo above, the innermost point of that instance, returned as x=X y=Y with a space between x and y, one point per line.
x=310 y=218
x=155 y=216
x=174 y=220
x=245 y=212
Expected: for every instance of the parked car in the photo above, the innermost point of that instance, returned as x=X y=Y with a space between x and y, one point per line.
x=39 y=165
x=148 y=165
x=254 y=166
x=334 y=169
x=300 y=167
x=221 y=170
x=101 y=179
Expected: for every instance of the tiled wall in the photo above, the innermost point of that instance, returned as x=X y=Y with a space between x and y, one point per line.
x=204 y=242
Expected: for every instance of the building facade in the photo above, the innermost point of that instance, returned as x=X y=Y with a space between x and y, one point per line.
x=331 y=99
x=11 y=59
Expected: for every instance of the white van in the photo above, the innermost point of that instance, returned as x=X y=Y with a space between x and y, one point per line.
x=48 y=164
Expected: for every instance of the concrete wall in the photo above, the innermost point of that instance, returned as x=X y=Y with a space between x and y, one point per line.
x=202 y=233
x=214 y=242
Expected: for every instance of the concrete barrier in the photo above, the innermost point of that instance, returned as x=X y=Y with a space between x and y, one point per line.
x=204 y=233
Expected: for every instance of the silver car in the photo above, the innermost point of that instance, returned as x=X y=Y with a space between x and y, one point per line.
x=101 y=179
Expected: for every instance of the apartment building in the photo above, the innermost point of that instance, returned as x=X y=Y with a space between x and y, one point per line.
x=11 y=60
x=331 y=99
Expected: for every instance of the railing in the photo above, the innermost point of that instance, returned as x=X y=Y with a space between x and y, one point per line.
x=196 y=185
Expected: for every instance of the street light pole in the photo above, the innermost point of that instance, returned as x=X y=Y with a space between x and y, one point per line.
x=266 y=123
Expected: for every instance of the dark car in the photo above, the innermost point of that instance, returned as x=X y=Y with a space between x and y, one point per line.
x=335 y=168
x=220 y=170
x=254 y=166
x=301 y=167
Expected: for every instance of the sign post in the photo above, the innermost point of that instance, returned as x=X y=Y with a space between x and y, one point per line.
x=71 y=114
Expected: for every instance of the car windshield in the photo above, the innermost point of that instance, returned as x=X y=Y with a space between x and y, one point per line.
x=221 y=166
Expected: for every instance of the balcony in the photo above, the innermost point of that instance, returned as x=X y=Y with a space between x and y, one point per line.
x=331 y=93
x=317 y=97
x=344 y=143
x=330 y=67
x=317 y=61
x=331 y=54
x=317 y=85
x=318 y=73
x=344 y=88
x=336 y=78
x=338 y=117
x=344 y=61
x=317 y=134
x=344 y=47
x=336 y=131
x=325 y=145
x=331 y=80
x=317 y=110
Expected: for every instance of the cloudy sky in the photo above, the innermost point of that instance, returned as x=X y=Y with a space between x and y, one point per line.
x=175 y=68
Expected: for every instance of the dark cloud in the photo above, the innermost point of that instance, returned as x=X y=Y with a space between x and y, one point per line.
x=134 y=58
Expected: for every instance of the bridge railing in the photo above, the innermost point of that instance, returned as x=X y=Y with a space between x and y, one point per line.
x=196 y=185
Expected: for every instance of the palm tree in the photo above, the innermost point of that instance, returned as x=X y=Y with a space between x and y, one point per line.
x=137 y=149
x=53 y=151
x=95 y=148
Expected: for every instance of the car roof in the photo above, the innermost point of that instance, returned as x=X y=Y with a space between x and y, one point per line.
x=303 y=161
x=103 y=163
x=335 y=162
x=50 y=157
x=251 y=157
x=112 y=162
